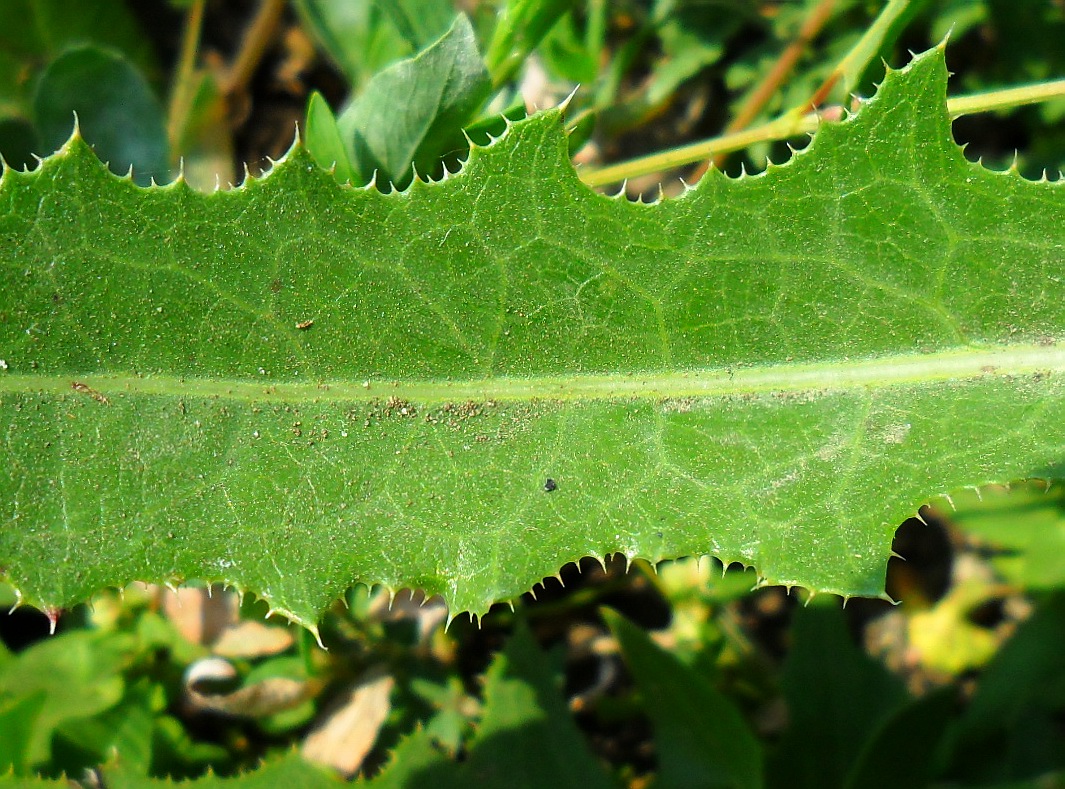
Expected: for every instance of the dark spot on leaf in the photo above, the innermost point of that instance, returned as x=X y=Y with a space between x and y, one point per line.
x=550 y=485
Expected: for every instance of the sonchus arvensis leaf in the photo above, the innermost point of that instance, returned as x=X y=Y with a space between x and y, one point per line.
x=296 y=385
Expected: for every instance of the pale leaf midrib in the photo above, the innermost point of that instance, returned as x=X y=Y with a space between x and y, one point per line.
x=808 y=378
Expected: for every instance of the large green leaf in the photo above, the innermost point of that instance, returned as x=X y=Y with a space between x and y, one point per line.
x=776 y=370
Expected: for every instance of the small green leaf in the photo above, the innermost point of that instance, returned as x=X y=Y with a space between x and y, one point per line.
x=451 y=722
x=365 y=37
x=523 y=705
x=420 y=22
x=414 y=111
x=324 y=141
x=569 y=54
x=117 y=112
x=701 y=738
x=357 y=36
x=522 y=24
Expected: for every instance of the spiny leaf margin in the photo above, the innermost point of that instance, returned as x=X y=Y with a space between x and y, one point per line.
x=639 y=405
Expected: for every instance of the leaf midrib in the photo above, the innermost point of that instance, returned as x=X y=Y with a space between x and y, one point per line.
x=796 y=378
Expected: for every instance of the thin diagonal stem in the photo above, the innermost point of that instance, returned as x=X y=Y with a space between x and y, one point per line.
x=786 y=126
x=253 y=46
x=181 y=94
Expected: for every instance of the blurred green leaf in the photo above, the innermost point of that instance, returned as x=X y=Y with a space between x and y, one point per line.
x=691 y=36
x=902 y=753
x=574 y=52
x=944 y=638
x=416 y=763
x=356 y=35
x=1024 y=527
x=365 y=36
x=18 y=718
x=286 y=667
x=450 y=724
x=14 y=782
x=35 y=32
x=442 y=88
x=82 y=743
x=79 y=675
x=701 y=738
x=177 y=754
x=117 y=112
x=521 y=26
x=1011 y=729
x=525 y=738
x=837 y=699
x=523 y=705
x=955 y=18
x=420 y=22
x=290 y=771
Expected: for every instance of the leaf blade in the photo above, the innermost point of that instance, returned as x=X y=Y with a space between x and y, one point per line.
x=688 y=391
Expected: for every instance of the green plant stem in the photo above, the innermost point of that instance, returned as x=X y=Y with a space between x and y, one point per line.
x=849 y=68
x=1006 y=99
x=799 y=120
x=854 y=63
x=787 y=126
x=183 y=90
x=778 y=129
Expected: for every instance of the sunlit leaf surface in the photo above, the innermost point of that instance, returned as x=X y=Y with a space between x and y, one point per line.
x=295 y=385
